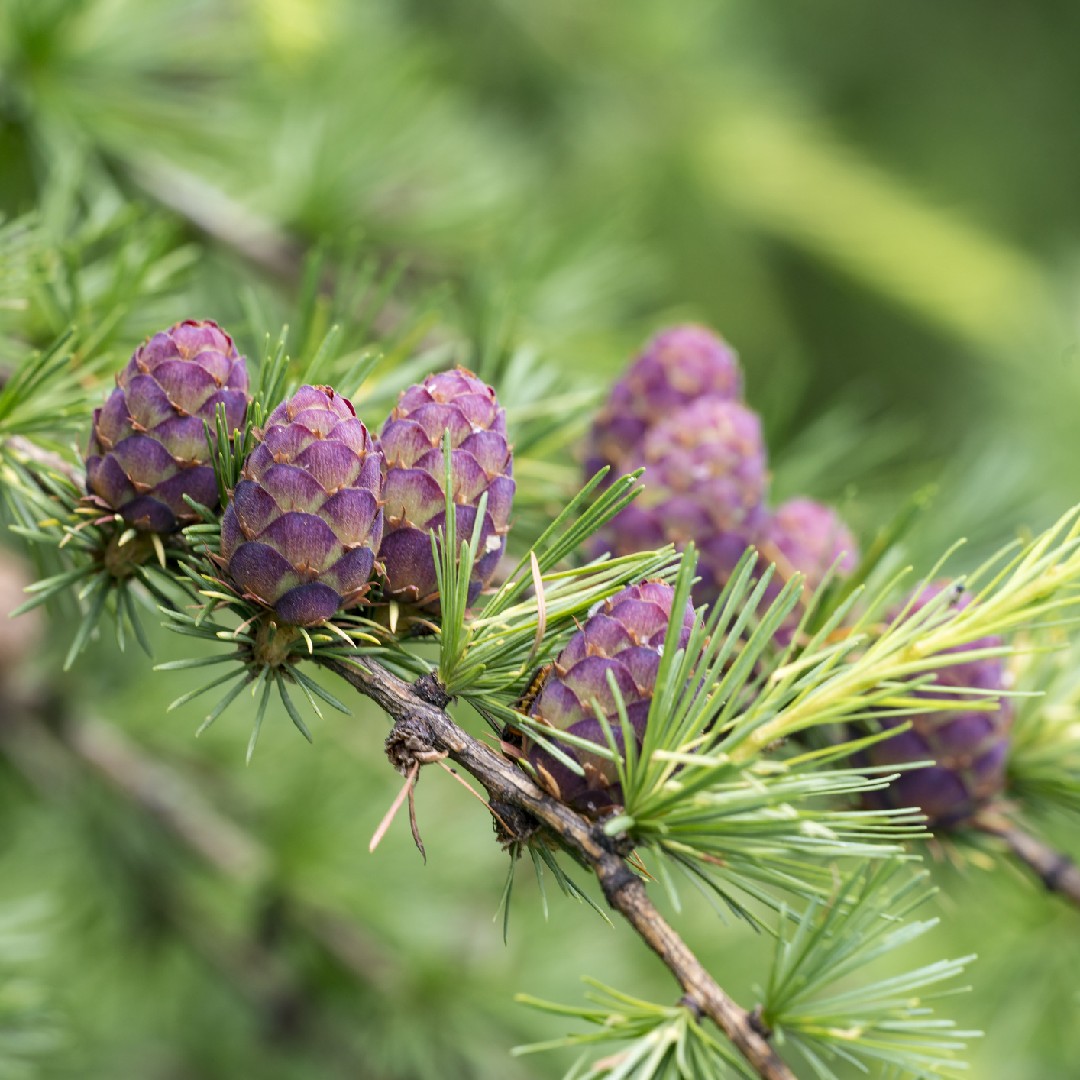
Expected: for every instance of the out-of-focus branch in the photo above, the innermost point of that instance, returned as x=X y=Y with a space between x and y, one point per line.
x=19 y=639
x=257 y=240
x=46 y=459
x=222 y=219
x=32 y=728
x=54 y=752
x=422 y=729
x=49 y=765
x=175 y=804
x=35 y=725
x=1055 y=869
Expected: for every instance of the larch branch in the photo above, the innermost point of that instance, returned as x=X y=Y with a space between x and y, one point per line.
x=421 y=723
x=1054 y=869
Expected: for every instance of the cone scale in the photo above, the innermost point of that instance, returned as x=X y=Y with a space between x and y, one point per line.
x=705 y=482
x=968 y=747
x=806 y=537
x=481 y=463
x=303 y=525
x=148 y=446
x=677 y=367
x=624 y=638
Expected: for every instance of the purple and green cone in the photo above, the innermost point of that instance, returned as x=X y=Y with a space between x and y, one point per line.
x=807 y=537
x=148 y=444
x=305 y=521
x=415 y=474
x=626 y=637
x=968 y=747
x=705 y=481
x=676 y=368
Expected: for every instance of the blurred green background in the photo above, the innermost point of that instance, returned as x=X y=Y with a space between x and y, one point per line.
x=876 y=204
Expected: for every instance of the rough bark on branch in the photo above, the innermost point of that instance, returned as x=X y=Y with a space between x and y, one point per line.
x=421 y=725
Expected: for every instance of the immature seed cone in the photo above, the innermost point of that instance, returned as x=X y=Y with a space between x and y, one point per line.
x=806 y=537
x=969 y=748
x=304 y=523
x=148 y=443
x=415 y=473
x=705 y=481
x=626 y=637
x=677 y=367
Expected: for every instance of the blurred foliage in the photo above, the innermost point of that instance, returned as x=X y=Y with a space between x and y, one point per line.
x=876 y=205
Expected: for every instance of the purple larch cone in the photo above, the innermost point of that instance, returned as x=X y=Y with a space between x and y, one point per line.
x=705 y=481
x=415 y=473
x=305 y=521
x=148 y=445
x=968 y=747
x=806 y=537
x=677 y=367
x=625 y=637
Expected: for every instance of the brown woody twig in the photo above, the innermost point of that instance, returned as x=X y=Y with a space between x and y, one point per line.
x=1054 y=869
x=421 y=725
